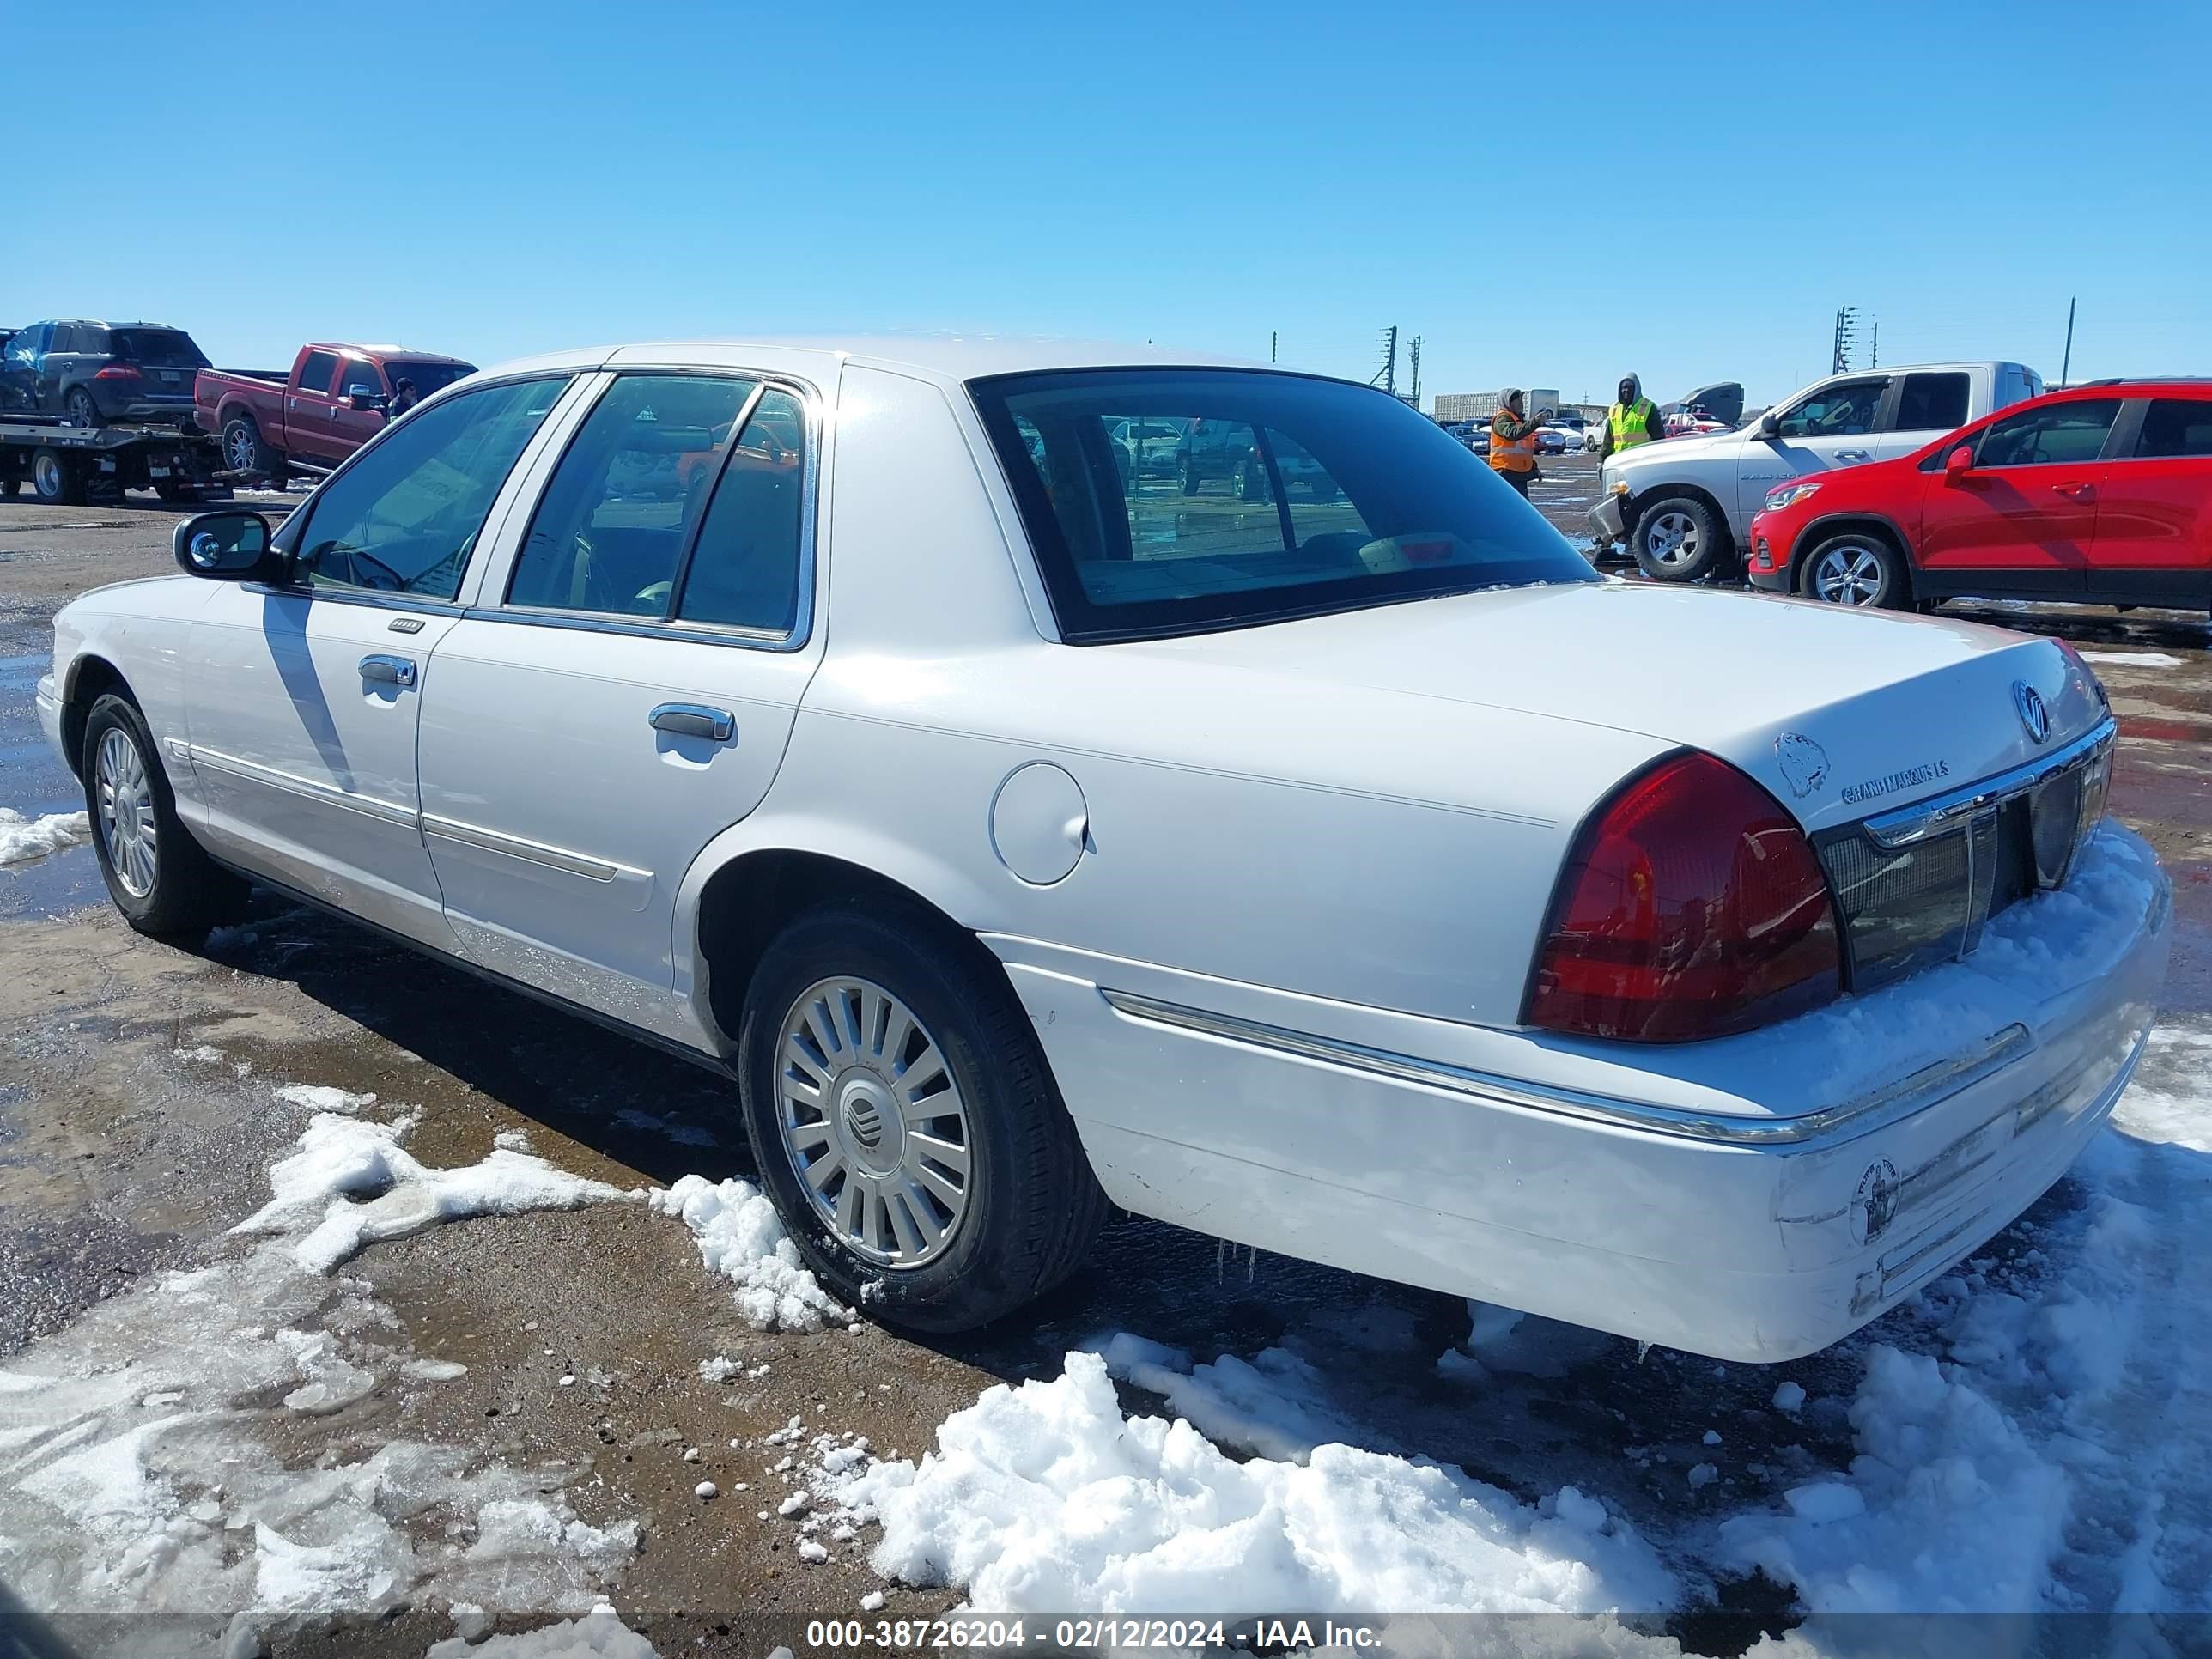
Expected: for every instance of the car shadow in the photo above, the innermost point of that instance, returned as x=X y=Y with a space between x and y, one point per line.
x=2088 y=624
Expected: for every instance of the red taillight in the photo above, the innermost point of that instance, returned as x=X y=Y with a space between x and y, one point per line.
x=118 y=372
x=1692 y=907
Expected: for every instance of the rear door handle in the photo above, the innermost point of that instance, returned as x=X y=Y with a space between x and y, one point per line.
x=389 y=671
x=2080 y=492
x=692 y=719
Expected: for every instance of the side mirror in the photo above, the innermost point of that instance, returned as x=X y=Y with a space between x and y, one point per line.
x=228 y=546
x=1769 y=427
x=1958 y=462
x=360 y=399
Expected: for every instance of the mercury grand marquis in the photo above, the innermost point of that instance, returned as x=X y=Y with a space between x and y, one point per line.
x=1349 y=872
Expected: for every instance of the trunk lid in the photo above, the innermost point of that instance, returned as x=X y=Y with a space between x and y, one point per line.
x=1840 y=715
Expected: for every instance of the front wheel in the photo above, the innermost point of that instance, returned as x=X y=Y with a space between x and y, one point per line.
x=1856 y=569
x=903 y=1121
x=1678 y=539
x=157 y=875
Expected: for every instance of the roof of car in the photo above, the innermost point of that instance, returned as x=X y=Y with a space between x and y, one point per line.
x=94 y=322
x=945 y=356
x=2138 y=383
x=382 y=351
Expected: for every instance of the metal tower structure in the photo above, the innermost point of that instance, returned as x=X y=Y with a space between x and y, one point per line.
x=1845 y=316
x=1386 y=376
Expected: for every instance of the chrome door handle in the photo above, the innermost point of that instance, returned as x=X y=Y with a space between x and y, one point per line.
x=1850 y=455
x=389 y=670
x=692 y=719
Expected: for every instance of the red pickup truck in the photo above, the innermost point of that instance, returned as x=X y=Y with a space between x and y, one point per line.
x=335 y=399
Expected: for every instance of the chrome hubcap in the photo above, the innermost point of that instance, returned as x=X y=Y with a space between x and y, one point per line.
x=126 y=812
x=242 y=451
x=873 y=1121
x=1672 y=539
x=1848 y=575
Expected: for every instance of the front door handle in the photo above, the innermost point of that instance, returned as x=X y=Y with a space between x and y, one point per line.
x=692 y=719
x=1850 y=455
x=2079 y=492
x=388 y=670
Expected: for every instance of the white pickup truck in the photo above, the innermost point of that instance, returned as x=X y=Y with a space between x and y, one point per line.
x=1684 y=505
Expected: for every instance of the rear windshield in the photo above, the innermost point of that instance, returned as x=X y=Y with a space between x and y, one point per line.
x=1288 y=496
x=156 y=348
x=427 y=377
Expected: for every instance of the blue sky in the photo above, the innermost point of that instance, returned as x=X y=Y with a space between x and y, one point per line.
x=1549 y=194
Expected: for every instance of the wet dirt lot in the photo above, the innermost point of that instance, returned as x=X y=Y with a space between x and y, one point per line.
x=125 y=1151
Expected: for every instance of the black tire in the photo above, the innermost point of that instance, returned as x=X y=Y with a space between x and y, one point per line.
x=1697 y=534
x=1032 y=1205
x=187 y=892
x=57 y=479
x=170 y=490
x=82 y=410
x=245 y=450
x=1863 y=569
x=1190 y=480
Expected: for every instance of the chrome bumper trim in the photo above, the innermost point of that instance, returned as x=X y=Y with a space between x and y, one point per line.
x=1901 y=828
x=1907 y=1094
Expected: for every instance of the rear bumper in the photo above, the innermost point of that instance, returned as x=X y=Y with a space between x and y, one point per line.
x=1740 y=1233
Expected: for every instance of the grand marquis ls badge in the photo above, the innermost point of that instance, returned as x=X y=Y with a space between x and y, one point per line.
x=2027 y=702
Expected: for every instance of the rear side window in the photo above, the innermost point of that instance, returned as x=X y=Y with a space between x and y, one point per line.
x=2068 y=433
x=1283 y=496
x=405 y=516
x=1932 y=403
x=609 y=533
x=743 y=572
x=2175 y=427
x=315 y=374
x=156 y=347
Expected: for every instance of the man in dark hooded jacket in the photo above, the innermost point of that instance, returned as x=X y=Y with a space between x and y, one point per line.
x=1633 y=420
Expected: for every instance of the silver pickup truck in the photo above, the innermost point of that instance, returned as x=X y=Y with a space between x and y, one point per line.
x=1684 y=505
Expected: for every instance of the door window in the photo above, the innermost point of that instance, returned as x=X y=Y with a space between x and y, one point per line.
x=1932 y=403
x=63 y=338
x=315 y=372
x=2173 y=427
x=405 y=517
x=2056 y=434
x=358 y=373
x=25 y=346
x=1843 y=411
x=609 y=533
x=744 y=571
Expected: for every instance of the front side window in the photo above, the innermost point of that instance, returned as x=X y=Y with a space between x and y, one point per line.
x=1283 y=496
x=1932 y=403
x=405 y=516
x=427 y=377
x=315 y=374
x=610 y=532
x=1844 y=410
x=2173 y=427
x=2071 y=434
x=358 y=372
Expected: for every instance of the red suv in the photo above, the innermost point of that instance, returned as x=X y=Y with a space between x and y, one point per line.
x=2100 y=494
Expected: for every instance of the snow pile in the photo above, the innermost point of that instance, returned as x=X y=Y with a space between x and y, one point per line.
x=139 y=1473
x=322 y=1098
x=741 y=1238
x=22 y=838
x=598 y=1632
x=1044 y=1498
x=2133 y=659
x=1267 y=1406
x=342 y=1160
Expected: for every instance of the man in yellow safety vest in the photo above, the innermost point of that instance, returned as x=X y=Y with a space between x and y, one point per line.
x=1513 y=439
x=1631 y=421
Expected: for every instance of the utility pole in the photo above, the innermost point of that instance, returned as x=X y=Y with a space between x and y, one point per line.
x=1386 y=376
x=2066 y=366
x=1273 y=336
x=1841 y=360
x=1414 y=346
x=1873 y=347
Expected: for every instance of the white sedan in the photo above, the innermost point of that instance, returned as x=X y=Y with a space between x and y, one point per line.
x=1363 y=879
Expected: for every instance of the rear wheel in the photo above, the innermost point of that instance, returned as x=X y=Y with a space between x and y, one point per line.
x=157 y=875
x=82 y=410
x=1856 y=568
x=1189 y=478
x=904 y=1123
x=245 y=450
x=57 y=479
x=1678 y=539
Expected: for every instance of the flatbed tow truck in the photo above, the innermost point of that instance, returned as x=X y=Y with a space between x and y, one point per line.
x=63 y=464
